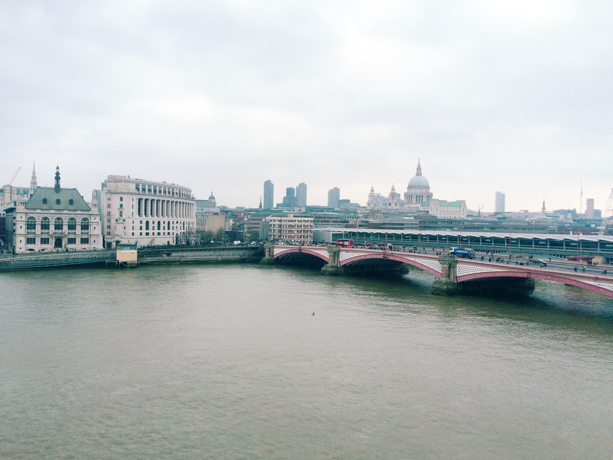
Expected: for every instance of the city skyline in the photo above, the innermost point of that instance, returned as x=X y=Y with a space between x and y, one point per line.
x=505 y=96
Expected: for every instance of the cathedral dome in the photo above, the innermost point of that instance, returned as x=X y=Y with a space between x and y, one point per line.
x=418 y=181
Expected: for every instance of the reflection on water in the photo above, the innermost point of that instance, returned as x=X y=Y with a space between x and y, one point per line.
x=229 y=362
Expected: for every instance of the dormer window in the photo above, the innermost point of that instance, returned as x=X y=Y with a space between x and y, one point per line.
x=71 y=202
x=44 y=200
x=57 y=201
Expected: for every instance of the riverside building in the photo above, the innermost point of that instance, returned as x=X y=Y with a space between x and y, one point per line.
x=52 y=218
x=145 y=213
x=291 y=229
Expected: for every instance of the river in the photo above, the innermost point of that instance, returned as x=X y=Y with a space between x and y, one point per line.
x=229 y=362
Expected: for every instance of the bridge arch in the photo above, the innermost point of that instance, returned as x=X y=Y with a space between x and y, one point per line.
x=392 y=257
x=301 y=250
x=584 y=284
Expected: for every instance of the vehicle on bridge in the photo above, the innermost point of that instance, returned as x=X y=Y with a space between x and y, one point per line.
x=345 y=243
x=465 y=253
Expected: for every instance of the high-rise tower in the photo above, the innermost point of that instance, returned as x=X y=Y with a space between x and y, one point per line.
x=269 y=194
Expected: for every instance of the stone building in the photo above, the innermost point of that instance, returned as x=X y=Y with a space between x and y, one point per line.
x=52 y=218
x=445 y=209
x=143 y=212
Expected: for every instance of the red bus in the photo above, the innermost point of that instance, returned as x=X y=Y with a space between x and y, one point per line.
x=345 y=243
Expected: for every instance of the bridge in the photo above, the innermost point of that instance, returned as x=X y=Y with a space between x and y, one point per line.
x=600 y=246
x=453 y=275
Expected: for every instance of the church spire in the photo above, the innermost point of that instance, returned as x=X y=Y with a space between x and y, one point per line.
x=260 y=201
x=33 y=183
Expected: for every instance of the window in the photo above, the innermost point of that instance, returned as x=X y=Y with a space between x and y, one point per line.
x=72 y=224
x=44 y=200
x=58 y=202
x=30 y=240
x=44 y=223
x=85 y=225
x=147 y=225
x=121 y=205
x=44 y=241
x=71 y=202
x=58 y=224
x=108 y=213
x=31 y=223
x=120 y=213
x=72 y=241
x=84 y=240
x=120 y=198
x=108 y=205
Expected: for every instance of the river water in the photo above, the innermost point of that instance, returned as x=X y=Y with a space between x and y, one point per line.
x=228 y=362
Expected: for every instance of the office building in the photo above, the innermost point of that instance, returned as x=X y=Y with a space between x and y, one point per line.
x=301 y=194
x=290 y=229
x=142 y=212
x=269 y=195
x=334 y=195
x=589 y=212
x=499 y=202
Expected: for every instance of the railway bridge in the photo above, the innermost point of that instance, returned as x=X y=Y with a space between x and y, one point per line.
x=453 y=275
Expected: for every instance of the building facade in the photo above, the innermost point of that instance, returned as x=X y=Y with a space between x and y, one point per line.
x=445 y=209
x=291 y=229
x=52 y=218
x=137 y=211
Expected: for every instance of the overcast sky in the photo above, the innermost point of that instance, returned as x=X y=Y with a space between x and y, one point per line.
x=513 y=96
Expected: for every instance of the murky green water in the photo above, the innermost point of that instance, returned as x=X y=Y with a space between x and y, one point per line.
x=228 y=362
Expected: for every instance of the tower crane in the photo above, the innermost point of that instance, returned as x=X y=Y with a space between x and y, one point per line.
x=14 y=176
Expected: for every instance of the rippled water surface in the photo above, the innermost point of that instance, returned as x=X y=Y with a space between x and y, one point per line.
x=228 y=362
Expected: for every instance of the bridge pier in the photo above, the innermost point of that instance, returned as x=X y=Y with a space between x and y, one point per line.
x=333 y=267
x=268 y=258
x=448 y=282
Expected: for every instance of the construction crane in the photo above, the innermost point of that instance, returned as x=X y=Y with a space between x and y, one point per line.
x=14 y=176
x=11 y=184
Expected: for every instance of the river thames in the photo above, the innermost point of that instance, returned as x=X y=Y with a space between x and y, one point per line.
x=228 y=361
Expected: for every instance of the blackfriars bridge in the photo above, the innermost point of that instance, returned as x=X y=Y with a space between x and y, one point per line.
x=453 y=275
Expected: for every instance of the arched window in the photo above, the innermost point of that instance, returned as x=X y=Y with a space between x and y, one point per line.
x=72 y=224
x=44 y=223
x=58 y=202
x=85 y=225
x=59 y=224
x=44 y=200
x=71 y=202
x=31 y=223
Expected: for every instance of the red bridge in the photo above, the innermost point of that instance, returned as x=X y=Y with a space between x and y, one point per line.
x=453 y=274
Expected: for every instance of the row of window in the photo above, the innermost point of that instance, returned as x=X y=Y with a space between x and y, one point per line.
x=159 y=190
x=46 y=241
x=58 y=224
x=58 y=201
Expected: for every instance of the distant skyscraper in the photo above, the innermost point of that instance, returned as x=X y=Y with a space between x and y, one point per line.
x=269 y=195
x=334 y=195
x=499 y=202
x=289 y=200
x=301 y=194
x=589 y=212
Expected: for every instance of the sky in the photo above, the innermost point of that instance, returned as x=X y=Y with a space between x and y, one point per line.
x=222 y=95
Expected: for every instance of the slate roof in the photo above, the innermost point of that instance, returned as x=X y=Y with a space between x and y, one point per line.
x=64 y=195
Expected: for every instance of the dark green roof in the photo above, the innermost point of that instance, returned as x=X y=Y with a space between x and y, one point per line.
x=36 y=201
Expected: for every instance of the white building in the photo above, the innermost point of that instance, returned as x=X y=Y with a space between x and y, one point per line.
x=142 y=212
x=291 y=229
x=393 y=200
x=418 y=190
x=445 y=209
x=52 y=218
x=499 y=202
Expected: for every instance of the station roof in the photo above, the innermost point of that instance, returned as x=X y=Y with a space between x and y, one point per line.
x=475 y=234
